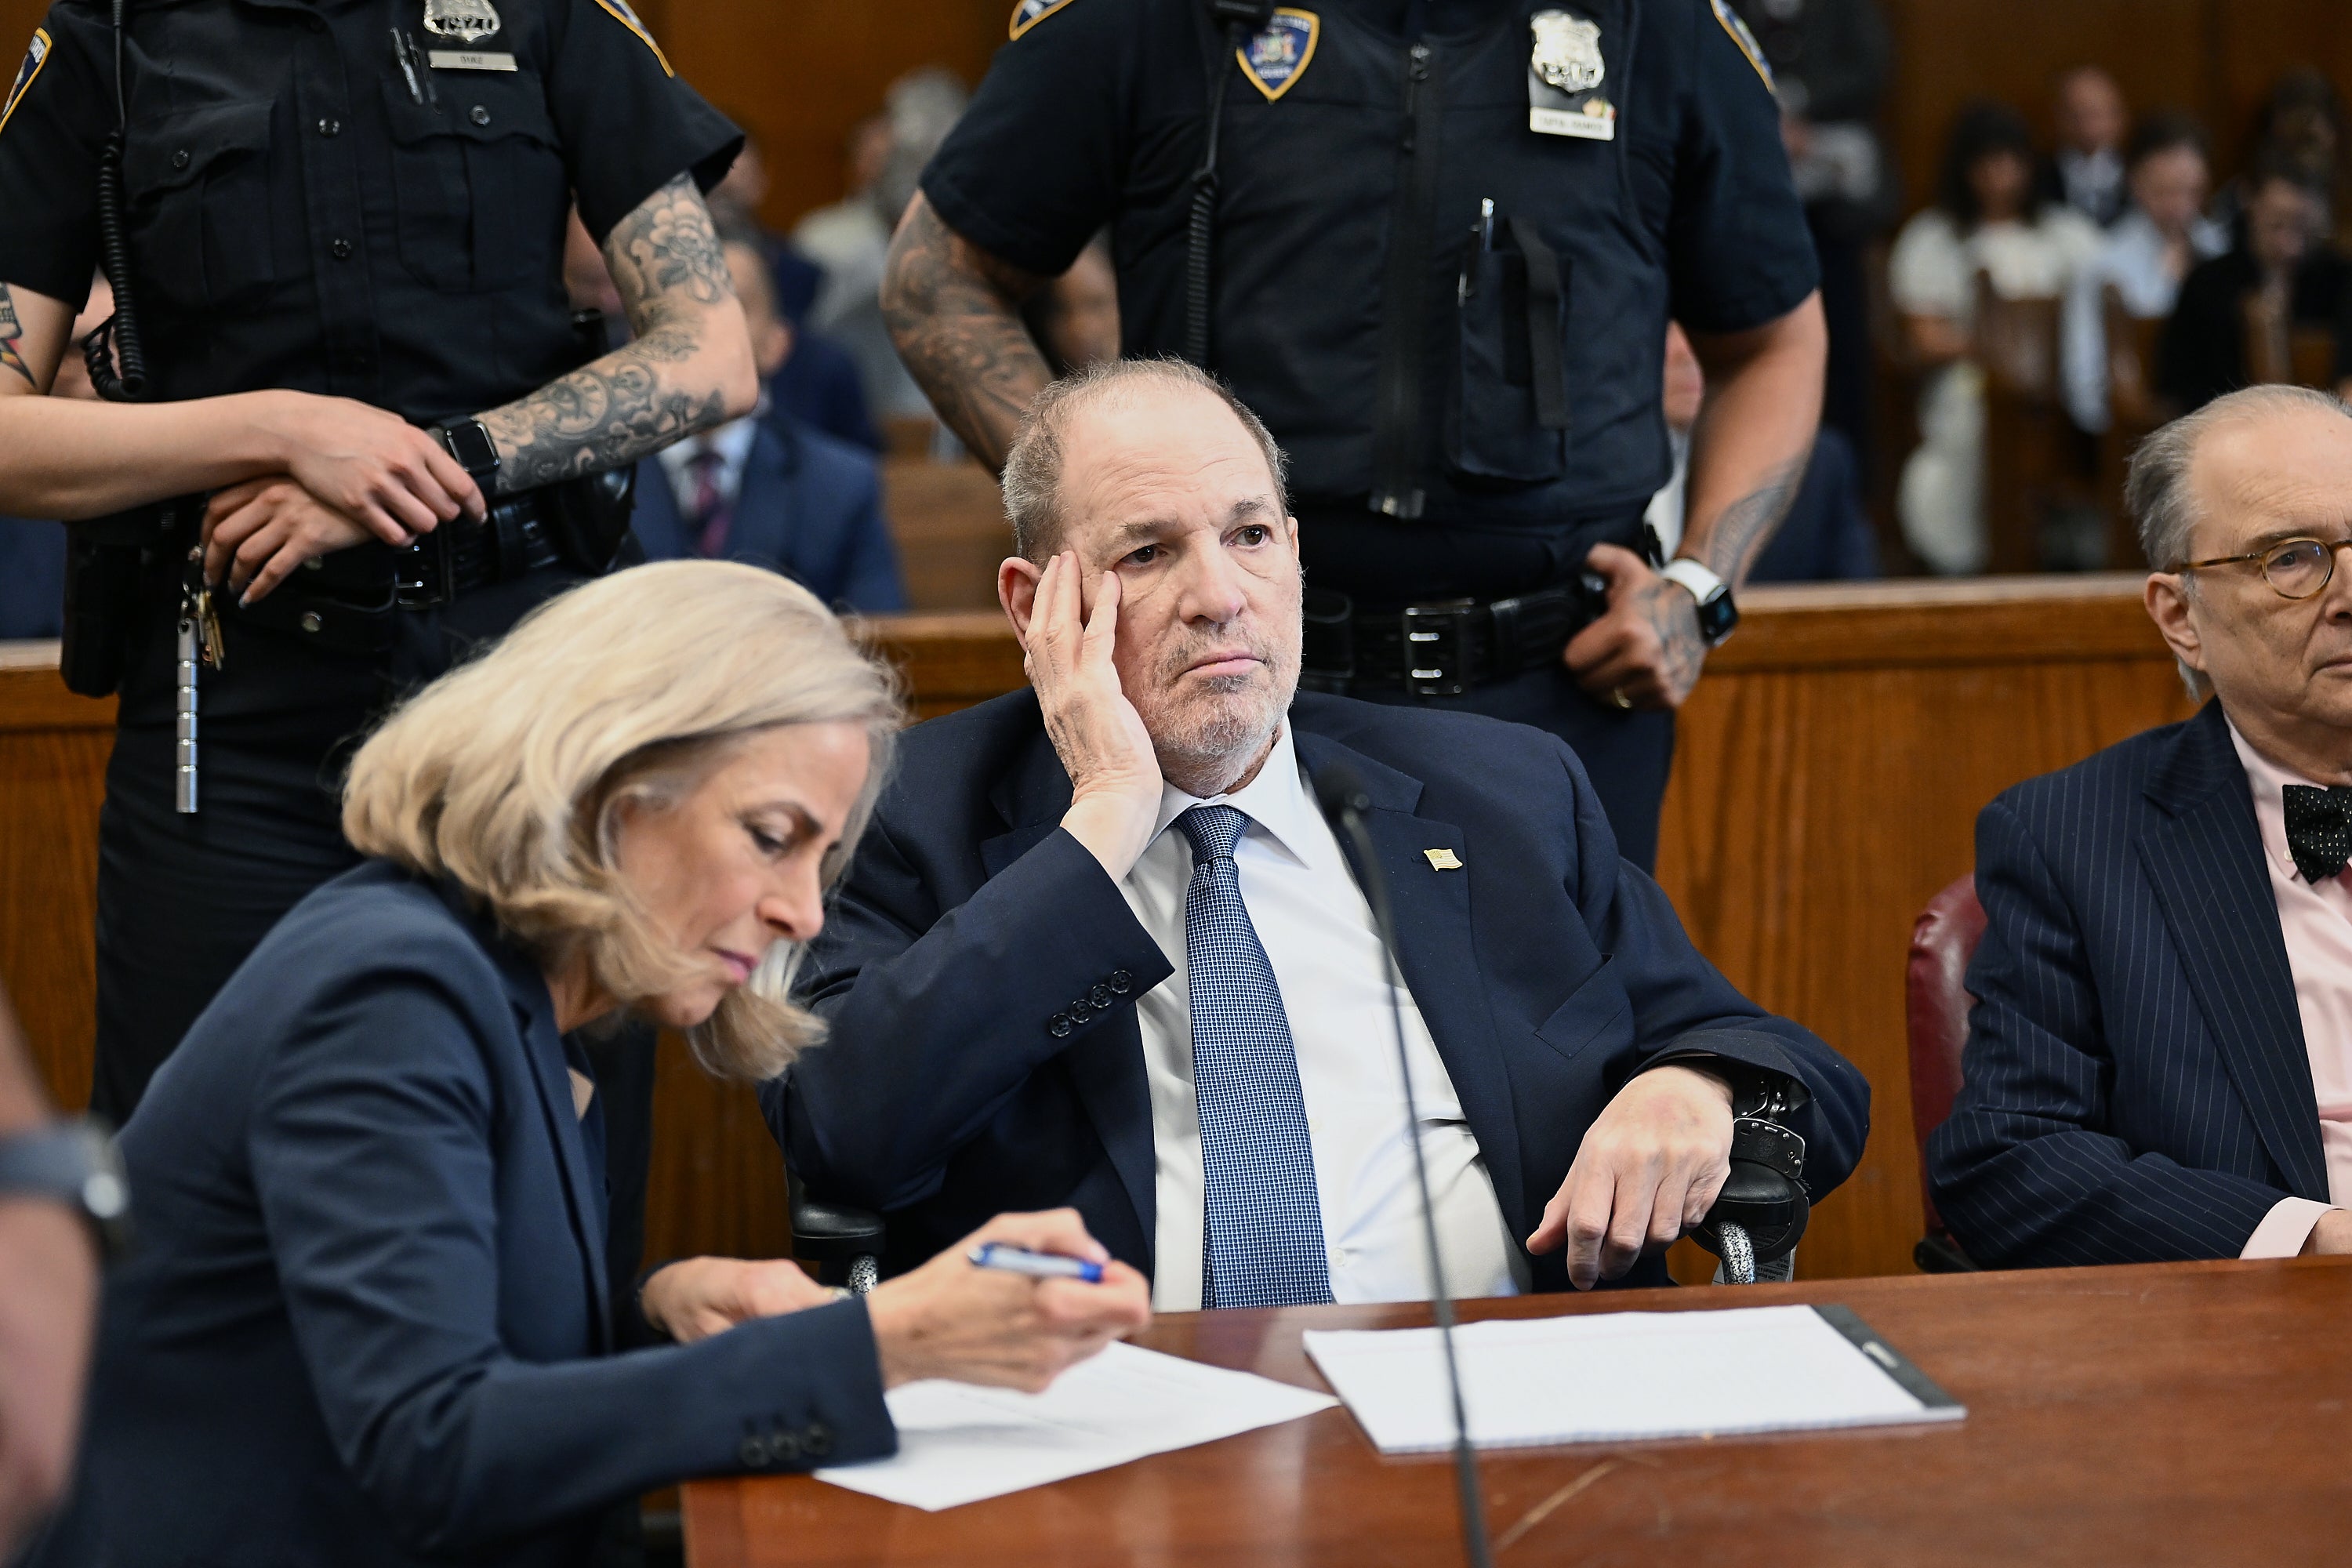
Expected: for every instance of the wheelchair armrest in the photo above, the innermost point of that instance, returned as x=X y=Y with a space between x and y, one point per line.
x=833 y=1233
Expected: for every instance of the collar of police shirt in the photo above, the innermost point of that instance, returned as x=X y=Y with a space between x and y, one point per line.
x=1318 y=933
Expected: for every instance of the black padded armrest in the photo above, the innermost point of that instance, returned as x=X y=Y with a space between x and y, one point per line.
x=833 y=1233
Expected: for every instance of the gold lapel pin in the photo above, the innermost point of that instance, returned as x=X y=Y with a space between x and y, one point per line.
x=1442 y=860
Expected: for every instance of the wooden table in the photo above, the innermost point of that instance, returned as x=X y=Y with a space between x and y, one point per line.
x=2170 y=1413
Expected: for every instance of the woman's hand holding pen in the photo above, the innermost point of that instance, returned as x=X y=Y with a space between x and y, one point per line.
x=952 y=1319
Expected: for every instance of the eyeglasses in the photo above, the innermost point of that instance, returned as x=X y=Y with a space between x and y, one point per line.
x=2295 y=568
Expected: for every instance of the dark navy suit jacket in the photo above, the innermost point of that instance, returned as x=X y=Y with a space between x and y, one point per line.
x=366 y=1321
x=2137 y=1086
x=1548 y=970
x=810 y=507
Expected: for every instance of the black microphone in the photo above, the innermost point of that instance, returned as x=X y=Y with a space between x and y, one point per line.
x=1344 y=800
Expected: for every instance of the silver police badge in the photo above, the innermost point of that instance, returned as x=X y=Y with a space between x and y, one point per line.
x=464 y=20
x=1568 y=51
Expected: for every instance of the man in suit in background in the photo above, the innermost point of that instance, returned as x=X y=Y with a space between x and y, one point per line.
x=2159 y=1062
x=768 y=490
x=1102 y=949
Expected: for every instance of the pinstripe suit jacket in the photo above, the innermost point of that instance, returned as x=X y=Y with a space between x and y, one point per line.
x=2137 y=1086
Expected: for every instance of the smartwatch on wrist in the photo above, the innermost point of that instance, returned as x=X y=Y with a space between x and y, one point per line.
x=469 y=442
x=73 y=1164
x=1716 y=613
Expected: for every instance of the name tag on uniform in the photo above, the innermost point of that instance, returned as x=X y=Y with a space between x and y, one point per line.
x=468 y=60
x=1564 y=77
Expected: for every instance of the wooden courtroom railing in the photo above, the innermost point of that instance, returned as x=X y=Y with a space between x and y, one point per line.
x=1826 y=784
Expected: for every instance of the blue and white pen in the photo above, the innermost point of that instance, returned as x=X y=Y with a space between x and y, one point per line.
x=1036 y=1264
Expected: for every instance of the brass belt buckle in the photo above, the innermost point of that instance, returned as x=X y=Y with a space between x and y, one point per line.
x=1437 y=647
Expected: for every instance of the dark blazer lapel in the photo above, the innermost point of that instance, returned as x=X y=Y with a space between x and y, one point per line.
x=2205 y=862
x=581 y=1185
x=1106 y=1068
x=1437 y=953
x=534 y=1013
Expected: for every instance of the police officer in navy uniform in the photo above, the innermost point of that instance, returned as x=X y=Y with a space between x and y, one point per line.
x=1435 y=244
x=361 y=399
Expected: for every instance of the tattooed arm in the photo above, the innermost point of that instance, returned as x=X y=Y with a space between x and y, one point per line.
x=1754 y=435
x=954 y=310
x=73 y=458
x=688 y=368
x=1748 y=455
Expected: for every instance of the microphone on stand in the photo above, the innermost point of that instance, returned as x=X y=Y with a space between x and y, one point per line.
x=1344 y=800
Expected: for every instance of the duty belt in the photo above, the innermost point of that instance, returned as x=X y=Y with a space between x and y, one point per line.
x=348 y=603
x=1442 y=648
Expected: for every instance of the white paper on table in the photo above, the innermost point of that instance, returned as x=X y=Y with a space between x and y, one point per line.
x=1619 y=1376
x=959 y=1443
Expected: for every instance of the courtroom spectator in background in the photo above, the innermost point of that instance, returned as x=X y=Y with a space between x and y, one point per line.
x=366 y=1319
x=2159 y=1062
x=1830 y=62
x=819 y=384
x=2233 y=323
x=2299 y=132
x=767 y=489
x=851 y=238
x=33 y=553
x=2087 y=164
x=1102 y=949
x=2162 y=236
x=48 y=1304
x=1825 y=537
x=1991 y=216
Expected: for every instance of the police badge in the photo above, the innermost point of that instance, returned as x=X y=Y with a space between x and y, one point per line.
x=1275 y=58
x=1564 y=76
x=466 y=21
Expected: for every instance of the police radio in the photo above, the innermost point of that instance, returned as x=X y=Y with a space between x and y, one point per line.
x=106 y=556
x=115 y=340
x=1235 y=20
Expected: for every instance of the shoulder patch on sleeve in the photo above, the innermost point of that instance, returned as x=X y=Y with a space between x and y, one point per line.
x=1746 y=42
x=1027 y=14
x=35 y=57
x=619 y=11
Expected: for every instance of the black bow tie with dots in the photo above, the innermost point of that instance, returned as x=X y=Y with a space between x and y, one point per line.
x=2319 y=829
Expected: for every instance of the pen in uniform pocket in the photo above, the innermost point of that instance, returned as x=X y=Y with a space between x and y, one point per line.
x=400 y=58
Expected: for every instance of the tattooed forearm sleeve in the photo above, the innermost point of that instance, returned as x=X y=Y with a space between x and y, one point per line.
x=669 y=269
x=11 y=338
x=954 y=312
x=1741 y=530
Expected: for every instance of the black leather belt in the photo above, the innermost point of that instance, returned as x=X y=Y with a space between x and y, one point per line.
x=463 y=555
x=1442 y=648
x=349 y=601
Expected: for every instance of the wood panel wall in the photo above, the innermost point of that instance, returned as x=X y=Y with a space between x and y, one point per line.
x=1827 y=782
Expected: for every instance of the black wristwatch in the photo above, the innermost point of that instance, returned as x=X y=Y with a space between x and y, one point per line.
x=1716 y=613
x=469 y=441
x=74 y=1164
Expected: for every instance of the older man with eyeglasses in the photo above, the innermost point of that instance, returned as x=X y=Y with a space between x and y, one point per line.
x=2159 y=1063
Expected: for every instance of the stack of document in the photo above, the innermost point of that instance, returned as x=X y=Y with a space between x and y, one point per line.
x=957 y=1443
x=1624 y=1375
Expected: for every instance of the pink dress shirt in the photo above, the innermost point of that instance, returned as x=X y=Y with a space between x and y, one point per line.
x=2317 y=921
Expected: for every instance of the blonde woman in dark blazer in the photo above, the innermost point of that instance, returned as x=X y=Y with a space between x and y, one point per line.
x=365 y=1324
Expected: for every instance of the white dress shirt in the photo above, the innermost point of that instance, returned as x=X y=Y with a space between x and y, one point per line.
x=2315 y=921
x=1317 y=934
x=2134 y=261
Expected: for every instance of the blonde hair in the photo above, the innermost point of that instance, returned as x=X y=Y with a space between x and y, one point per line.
x=505 y=775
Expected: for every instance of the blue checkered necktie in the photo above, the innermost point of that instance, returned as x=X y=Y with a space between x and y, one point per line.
x=1262 y=1242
